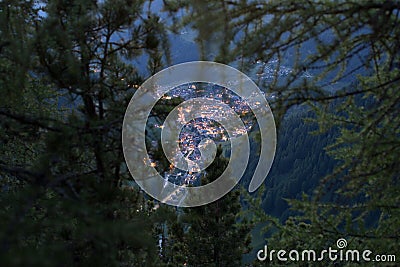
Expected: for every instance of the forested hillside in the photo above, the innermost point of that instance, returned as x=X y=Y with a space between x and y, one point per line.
x=300 y=162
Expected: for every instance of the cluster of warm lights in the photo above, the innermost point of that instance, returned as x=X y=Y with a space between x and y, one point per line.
x=187 y=141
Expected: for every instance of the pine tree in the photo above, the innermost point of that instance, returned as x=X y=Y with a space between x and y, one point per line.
x=216 y=234
x=350 y=48
x=65 y=81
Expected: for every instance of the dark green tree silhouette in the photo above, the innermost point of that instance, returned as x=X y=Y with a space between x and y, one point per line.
x=344 y=65
x=217 y=234
x=65 y=79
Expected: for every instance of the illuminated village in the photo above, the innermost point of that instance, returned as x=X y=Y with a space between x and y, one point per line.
x=199 y=129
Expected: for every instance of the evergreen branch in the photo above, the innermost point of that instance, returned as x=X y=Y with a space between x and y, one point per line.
x=30 y=121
